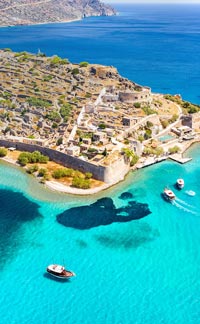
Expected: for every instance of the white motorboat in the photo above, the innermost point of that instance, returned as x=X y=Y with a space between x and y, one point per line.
x=180 y=183
x=168 y=194
x=59 y=271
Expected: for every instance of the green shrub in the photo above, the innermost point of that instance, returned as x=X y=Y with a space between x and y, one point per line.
x=7 y=50
x=56 y=61
x=81 y=183
x=148 y=133
x=164 y=123
x=3 y=152
x=32 y=169
x=42 y=172
x=174 y=149
x=134 y=159
x=83 y=64
x=35 y=157
x=174 y=118
x=88 y=175
x=59 y=141
x=102 y=126
x=137 y=105
x=149 y=111
x=54 y=116
x=63 y=172
x=75 y=71
x=39 y=103
x=65 y=111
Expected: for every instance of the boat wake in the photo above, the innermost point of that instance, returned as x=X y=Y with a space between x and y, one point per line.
x=182 y=202
x=182 y=207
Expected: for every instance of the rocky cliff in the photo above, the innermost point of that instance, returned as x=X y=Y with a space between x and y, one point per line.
x=17 y=12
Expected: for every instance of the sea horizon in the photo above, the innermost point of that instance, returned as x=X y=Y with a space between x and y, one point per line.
x=125 y=41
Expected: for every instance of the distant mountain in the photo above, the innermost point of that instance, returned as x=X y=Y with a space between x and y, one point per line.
x=17 y=12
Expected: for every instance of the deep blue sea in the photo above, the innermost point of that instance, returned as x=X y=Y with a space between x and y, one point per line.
x=153 y=45
x=136 y=256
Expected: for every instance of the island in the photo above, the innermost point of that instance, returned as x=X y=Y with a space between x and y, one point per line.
x=29 y=12
x=89 y=125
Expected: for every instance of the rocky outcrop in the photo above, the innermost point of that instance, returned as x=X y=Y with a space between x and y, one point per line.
x=16 y=12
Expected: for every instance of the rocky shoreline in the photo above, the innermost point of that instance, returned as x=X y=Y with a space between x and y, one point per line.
x=33 y=12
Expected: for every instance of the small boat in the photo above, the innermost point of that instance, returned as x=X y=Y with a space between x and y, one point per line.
x=191 y=193
x=180 y=183
x=59 y=271
x=168 y=194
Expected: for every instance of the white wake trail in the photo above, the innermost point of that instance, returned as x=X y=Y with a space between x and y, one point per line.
x=184 y=203
x=183 y=208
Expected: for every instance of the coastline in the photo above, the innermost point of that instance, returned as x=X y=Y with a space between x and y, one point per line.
x=51 y=22
x=62 y=188
x=59 y=187
x=42 y=23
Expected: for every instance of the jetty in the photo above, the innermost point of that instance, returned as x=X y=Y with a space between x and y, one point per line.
x=180 y=159
x=150 y=161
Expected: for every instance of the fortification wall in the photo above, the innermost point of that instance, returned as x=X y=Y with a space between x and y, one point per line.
x=110 y=174
x=59 y=157
x=135 y=96
x=117 y=171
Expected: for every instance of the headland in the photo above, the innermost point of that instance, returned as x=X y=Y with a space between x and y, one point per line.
x=29 y=12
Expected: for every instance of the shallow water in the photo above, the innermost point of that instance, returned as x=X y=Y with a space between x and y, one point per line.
x=144 y=269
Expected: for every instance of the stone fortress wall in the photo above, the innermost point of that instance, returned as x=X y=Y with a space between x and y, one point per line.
x=143 y=95
x=108 y=174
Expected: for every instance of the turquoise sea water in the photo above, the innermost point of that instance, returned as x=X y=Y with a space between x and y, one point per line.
x=136 y=256
x=144 y=270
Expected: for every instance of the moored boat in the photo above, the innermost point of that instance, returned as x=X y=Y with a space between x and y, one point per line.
x=168 y=194
x=59 y=271
x=180 y=183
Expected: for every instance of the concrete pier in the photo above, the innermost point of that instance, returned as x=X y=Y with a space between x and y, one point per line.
x=178 y=158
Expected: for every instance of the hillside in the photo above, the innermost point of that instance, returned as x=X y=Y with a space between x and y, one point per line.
x=20 y=12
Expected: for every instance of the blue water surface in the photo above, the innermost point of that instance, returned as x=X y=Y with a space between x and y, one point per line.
x=136 y=256
x=155 y=45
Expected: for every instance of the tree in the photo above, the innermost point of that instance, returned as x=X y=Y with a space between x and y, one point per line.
x=148 y=133
x=102 y=126
x=59 y=141
x=149 y=124
x=159 y=151
x=174 y=149
x=140 y=138
x=164 y=123
x=105 y=153
x=131 y=155
x=134 y=159
x=3 y=152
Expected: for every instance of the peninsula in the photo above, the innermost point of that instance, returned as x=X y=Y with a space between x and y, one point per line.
x=28 y=12
x=87 y=118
